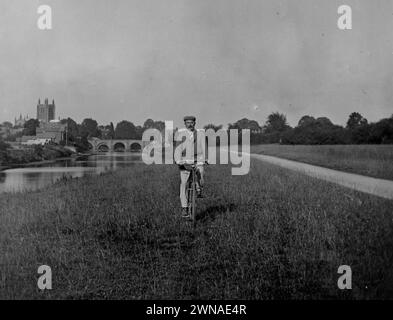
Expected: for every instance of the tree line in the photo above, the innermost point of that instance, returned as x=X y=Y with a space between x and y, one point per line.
x=77 y=134
x=310 y=130
x=89 y=128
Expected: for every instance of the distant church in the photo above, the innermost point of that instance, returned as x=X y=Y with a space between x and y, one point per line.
x=46 y=111
x=21 y=121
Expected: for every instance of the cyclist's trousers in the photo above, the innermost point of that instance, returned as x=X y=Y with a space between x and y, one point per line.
x=184 y=174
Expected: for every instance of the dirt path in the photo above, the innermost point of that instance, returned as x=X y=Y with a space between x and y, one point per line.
x=379 y=187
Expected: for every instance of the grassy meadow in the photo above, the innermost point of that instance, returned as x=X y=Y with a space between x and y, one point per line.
x=369 y=160
x=271 y=234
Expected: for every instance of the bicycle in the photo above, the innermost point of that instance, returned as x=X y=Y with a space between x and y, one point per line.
x=191 y=190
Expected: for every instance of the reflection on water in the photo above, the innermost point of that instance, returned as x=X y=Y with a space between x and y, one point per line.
x=40 y=175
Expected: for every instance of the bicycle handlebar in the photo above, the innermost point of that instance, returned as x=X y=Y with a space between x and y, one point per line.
x=195 y=162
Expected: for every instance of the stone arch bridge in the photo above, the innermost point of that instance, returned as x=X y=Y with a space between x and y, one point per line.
x=98 y=145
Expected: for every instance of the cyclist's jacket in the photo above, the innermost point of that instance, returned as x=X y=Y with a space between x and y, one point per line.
x=190 y=146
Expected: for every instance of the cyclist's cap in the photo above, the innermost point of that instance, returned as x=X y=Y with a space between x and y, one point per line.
x=192 y=118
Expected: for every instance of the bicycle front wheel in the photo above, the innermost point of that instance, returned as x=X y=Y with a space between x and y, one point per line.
x=191 y=196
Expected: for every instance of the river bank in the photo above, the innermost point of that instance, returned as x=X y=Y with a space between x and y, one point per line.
x=20 y=158
x=39 y=174
x=41 y=162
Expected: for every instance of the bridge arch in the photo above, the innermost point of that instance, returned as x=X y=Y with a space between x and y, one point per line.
x=136 y=146
x=119 y=146
x=103 y=147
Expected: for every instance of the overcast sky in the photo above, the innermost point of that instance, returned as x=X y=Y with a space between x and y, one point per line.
x=220 y=60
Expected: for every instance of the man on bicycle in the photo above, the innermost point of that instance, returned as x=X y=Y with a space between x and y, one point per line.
x=194 y=154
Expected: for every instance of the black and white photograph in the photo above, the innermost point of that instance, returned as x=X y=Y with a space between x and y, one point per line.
x=196 y=150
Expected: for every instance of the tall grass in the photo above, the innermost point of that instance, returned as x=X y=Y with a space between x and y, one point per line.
x=370 y=160
x=272 y=234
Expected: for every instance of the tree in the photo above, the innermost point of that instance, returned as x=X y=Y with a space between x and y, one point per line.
x=3 y=145
x=276 y=122
x=139 y=132
x=323 y=122
x=305 y=120
x=159 y=125
x=3 y=151
x=89 y=128
x=315 y=131
x=382 y=131
x=213 y=126
x=81 y=144
x=38 y=150
x=7 y=124
x=149 y=123
x=245 y=123
x=74 y=134
x=362 y=134
x=358 y=128
x=30 y=127
x=355 y=120
x=111 y=132
x=274 y=128
x=72 y=129
x=125 y=130
x=252 y=125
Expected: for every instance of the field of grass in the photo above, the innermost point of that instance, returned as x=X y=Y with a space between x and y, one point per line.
x=271 y=234
x=369 y=160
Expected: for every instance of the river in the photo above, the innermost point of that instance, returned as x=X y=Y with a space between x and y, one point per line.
x=36 y=176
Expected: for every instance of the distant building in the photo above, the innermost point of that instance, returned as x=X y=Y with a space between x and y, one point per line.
x=46 y=111
x=24 y=139
x=49 y=130
x=53 y=130
x=21 y=121
x=32 y=142
x=14 y=131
